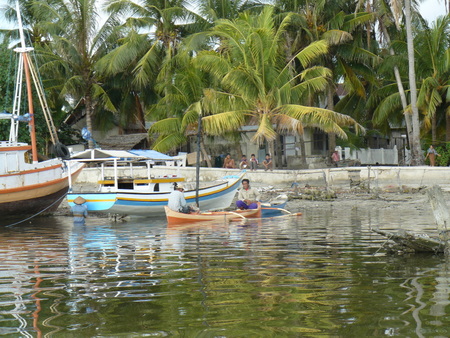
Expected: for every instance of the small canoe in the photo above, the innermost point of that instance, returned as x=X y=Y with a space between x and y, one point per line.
x=174 y=217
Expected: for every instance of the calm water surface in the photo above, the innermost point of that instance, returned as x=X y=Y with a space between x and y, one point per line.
x=319 y=275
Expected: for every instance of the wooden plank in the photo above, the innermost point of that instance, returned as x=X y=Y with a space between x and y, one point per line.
x=417 y=242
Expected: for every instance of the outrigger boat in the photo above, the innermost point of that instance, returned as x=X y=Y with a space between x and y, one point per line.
x=127 y=187
x=174 y=217
x=274 y=207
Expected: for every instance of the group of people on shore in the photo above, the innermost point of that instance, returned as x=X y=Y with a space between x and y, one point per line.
x=245 y=163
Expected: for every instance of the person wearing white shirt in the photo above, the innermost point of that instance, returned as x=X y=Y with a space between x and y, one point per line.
x=248 y=197
x=177 y=202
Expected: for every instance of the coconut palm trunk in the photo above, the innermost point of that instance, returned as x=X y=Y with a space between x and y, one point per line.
x=331 y=136
x=401 y=89
x=301 y=141
x=417 y=156
x=433 y=128
x=89 y=113
x=271 y=145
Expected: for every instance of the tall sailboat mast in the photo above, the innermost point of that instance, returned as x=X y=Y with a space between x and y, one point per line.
x=24 y=64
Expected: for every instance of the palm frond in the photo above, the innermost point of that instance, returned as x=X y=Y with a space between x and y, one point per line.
x=221 y=123
x=191 y=115
x=169 y=142
x=386 y=108
x=336 y=37
x=102 y=96
x=312 y=52
x=166 y=126
x=147 y=66
x=265 y=130
x=324 y=119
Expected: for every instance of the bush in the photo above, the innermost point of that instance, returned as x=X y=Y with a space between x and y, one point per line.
x=444 y=159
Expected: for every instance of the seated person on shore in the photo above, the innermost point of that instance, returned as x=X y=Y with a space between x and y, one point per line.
x=268 y=163
x=244 y=162
x=79 y=210
x=228 y=162
x=335 y=158
x=253 y=162
x=177 y=202
x=248 y=197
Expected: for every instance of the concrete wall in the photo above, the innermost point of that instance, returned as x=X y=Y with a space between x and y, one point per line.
x=381 y=156
x=390 y=178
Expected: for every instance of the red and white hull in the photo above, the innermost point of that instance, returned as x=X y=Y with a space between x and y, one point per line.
x=29 y=188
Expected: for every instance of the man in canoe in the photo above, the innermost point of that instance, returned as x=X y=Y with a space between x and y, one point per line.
x=248 y=197
x=177 y=202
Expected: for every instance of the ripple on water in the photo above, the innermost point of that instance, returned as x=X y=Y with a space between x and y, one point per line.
x=320 y=274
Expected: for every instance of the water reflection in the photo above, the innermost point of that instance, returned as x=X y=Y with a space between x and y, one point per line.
x=307 y=276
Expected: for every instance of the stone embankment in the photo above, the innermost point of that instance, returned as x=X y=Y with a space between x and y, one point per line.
x=376 y=178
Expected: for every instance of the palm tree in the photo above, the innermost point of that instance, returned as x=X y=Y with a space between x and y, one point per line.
x=154 y=31
x=402 y=10
x=77 y=44
x=212 y=10
x=416 y=151
x=185 y=91
x=349 y=57
x=257 y=86
x=433 y=52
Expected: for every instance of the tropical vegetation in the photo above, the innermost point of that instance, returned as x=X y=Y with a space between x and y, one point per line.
x=278 y=65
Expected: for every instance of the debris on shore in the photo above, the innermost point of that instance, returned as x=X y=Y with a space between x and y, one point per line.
x=408 y=242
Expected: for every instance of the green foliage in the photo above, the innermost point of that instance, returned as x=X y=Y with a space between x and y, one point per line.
x=6 y=77
x=267 y=69
x=444 y=159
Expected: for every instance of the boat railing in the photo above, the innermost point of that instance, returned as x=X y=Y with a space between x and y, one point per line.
x=12 y=144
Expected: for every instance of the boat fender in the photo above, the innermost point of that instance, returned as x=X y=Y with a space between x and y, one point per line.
x=62 y=151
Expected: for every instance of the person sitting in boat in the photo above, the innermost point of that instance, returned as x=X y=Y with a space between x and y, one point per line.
x=79 y=210
x=244 y=162
x=248 y=197
x=228 y=162
x=177 y=202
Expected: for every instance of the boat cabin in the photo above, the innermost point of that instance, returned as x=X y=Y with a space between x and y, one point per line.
x=154 y=184
x=126 y=171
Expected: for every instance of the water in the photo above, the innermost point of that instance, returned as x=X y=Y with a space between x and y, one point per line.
x=318 y=275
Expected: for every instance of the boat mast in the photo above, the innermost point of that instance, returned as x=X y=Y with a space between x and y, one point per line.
x=23 y=50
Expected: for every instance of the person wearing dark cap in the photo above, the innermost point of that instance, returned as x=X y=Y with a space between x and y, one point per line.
x=79 y=210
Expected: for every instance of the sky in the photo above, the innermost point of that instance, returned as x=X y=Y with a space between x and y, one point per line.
x=430 y=10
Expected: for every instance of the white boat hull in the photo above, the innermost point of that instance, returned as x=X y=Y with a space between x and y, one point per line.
x=214 y=197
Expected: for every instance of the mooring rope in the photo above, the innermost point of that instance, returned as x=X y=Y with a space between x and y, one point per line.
x=40 y=212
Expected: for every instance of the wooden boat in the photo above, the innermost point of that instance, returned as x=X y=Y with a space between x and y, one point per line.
x=174 y=217
x=141 y=194
x=28 y=186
